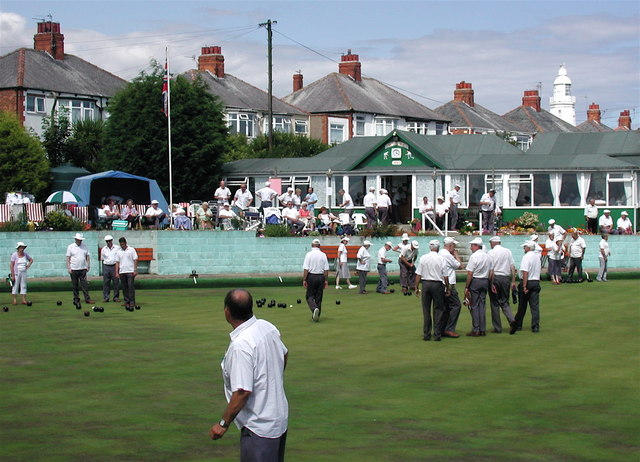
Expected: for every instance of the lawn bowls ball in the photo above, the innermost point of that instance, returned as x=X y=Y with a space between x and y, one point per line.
x=5 y=308
x=78 y=306
x=392 y=290
x=87 y=313
x=59 y=303
x=337 y=302
x=29 y=303
x=137 y=307
x=299 y=301
x=290 y=306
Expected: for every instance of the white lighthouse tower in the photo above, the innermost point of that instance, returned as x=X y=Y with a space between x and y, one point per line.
x=562 y=104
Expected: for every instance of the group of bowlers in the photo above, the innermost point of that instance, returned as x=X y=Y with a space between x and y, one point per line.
x=433 y=277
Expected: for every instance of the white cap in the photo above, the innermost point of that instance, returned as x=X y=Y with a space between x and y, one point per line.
x=529 y=244
x=316 y=241
x=415 y=244
x=534 y=237
x=366 y=242
x=289 y=188
x=434 y=244
x=624 y=213
x=303 y=203
x=154 y=202
x=495 y=239
x=79 y=237
x=456 y=185
x=477 y=241
x=606 y=211
x=20 y=244
x=383 y=191
x=441 y=198
x=405 y=237
x=552 y=221
x=108 y=237
x=267 y=183
x=450 y=240
x=372 y=188
x=389 y=243
x=344 y=238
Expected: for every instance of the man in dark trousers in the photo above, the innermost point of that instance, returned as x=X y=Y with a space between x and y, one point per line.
x=431 y=274
x=315 y=278
x=528 y=289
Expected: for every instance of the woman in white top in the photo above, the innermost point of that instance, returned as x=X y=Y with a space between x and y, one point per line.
x=555 y=254
x=20 y=263
x=342 y=267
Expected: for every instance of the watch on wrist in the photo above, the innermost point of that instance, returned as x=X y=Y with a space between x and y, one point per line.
x=223 y=423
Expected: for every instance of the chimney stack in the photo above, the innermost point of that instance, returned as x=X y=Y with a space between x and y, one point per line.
x=297 y=82
x=624 y=121
x=350 y=65
x=594 y=112
x=464 y=93
x=531 y=99
x=49 y=39
x=212 y=60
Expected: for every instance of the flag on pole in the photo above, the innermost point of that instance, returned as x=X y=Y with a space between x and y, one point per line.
x=165 y=90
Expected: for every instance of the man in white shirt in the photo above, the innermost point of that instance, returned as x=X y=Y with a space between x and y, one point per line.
x=603 y=257
x=222 y=194
x=127 y=270
x=347 y=202
x=501 y=280
x=108 y=257
x=311 y=199
x=253 y=373
x=591 y=216
x=287 y=197
x=78 y=265
x=315 y=278
x=476 y=287
x=452 y=262
x=426 y=210
x=407 y=262
x=431 y=274
x=576 y=248
x=555 y=253
x=528 y=289
x=454 y=203
x=441 y=210
x=624 y=225
x=363 y=265
x=292 y=217
x=383 y=282
x=558 y=231
x=605 y=223
x=384 y=206
x=266 y=195
x=225 y=215
x=242 y=199
x=370 y=203
x=154 y=215
x=488 y=205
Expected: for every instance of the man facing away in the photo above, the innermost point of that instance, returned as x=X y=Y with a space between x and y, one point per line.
x=383 y=282
x=502 y=278
x=478 y=271
x=126 y=271
x=528 y=289
x=315 y=278
x=452 y=262
x=253 y=374
x=431 y=274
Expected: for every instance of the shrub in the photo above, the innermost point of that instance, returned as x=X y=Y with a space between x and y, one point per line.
x=380 y=231
x=276 y=231
x=58 y=221
x=527 y=220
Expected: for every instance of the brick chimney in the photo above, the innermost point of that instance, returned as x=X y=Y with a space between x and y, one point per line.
x=212 y=60
x=297 y=82
x=531 y=99
x=350 y=65
x=49 y=39
x=593 y=113
x=624 y=121
x=464 y=93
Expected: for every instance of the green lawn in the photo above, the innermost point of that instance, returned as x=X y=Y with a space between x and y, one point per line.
x=362 y=385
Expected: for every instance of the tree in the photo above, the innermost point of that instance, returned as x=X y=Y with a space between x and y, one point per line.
x=284 y=145
x=23 y=163
x=136 y=134
x=84 y=146
x=55 y=136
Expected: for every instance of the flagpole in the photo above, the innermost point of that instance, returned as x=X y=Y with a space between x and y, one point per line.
x=168 y=77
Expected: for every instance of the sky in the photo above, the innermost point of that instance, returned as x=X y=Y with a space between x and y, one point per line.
x=421 y=48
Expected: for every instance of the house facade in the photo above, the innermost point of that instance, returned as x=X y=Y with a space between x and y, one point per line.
x=39 y=82
x=346 y=105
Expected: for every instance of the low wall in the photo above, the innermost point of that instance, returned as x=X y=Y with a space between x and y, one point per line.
x=238 y=252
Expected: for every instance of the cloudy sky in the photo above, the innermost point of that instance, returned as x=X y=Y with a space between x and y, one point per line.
x=422 y=48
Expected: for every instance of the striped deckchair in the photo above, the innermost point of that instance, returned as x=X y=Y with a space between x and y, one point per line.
x=35 y=212
x=82 y=214
x=5 y=213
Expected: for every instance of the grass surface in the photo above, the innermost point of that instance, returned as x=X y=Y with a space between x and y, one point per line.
x=362 y=385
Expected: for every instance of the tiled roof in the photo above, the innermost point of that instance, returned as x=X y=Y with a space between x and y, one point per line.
x=478 y=117
x=531 y=121
x=42 y=72
x=591 y=126
x=339 y=93
x=238 y=94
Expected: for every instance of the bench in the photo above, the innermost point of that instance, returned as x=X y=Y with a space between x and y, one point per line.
x=332 y=253
x=145 y=254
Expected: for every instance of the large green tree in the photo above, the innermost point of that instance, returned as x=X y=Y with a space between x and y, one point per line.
x=56 y=130
x=136 y=134
x=23 y=162
x=85 y=144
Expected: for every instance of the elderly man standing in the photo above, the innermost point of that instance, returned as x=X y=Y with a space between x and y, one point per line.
x=407 y=260
x=488 y=205
x=478 y=272
x=576 y=248
x=603 y=257
x=370 y=202
x=454 y=203
x=222 y=194
x=242 y=199
x=253 y=374
x=315 y=278
x=384 y=206
x=347 y=202
x=452 y=262
x=528 y=289
x=383 y=282
x=591 y=216
x=431 y=272
x=126 y=271
x=363 y=265
x=78 y=265
x=266 y=195
x=108 y=257
x=311 y=199
x=502 y=279
x=558 y=231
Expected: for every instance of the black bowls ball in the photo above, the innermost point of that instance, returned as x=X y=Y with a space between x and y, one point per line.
x=29 y=303
x=59 y=302
x=87 y=313
x=5 y=308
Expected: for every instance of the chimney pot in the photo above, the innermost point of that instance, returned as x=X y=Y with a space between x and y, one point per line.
x=297 y=82
x=49 y=39
x=350 y=65
x=212 y=60
x=624 y=121
x=593 y=113
x=531 y=99
x=464 y=93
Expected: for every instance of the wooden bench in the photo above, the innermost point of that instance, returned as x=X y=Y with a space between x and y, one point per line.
x=145 y=254
x=332 y=253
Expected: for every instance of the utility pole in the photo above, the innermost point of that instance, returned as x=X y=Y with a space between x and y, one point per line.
x=270 y=86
